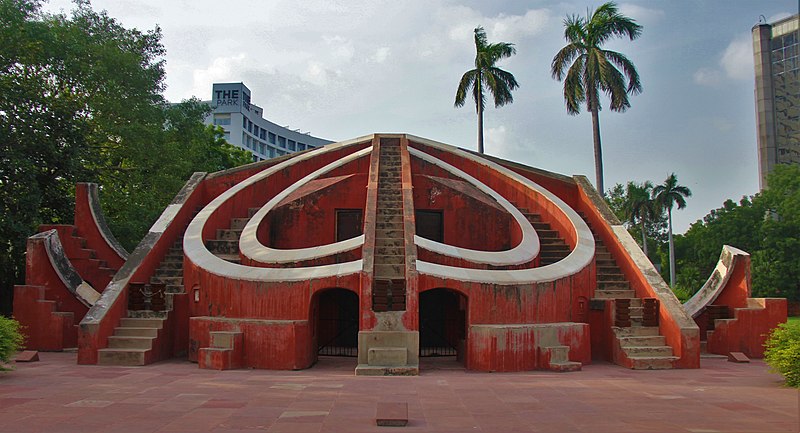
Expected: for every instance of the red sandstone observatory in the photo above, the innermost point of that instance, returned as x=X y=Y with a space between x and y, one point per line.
x=387 y=247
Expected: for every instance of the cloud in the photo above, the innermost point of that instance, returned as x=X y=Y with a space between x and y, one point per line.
x=507 y=28
x=380 y=55
x=640 y=13
x=221 y=69
x=707 y=76
x=514 y=27
x=737 y=60
x=735 y=63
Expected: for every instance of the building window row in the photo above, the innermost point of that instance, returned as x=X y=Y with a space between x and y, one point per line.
x=222 y=120
x=269 y=137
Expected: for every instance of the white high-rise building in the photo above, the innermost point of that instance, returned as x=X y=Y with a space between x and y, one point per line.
x=246 y=127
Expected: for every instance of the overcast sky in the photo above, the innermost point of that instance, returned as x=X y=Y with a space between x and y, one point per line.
x=342 y=69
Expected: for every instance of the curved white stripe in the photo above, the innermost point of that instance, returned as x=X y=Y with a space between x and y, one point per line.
x=578 y=259
x=195 y=250
x=255 y=250
x=524 y=252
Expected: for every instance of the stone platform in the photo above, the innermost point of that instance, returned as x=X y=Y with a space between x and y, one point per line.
x=56 y=395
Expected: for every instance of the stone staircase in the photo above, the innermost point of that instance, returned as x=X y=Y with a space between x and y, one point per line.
x=636 y=321
x=226 y=245
x=392 y=350
x=94 y=271
x=139 y=339
x=553 y=248
x=225 y=353
x=388 y=291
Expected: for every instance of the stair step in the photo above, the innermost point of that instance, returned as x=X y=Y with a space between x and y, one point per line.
x=166 y=280
x=650 y=351
x=636 y=331
x=385 y=259
x=239 y=223
x=390 y=271
x=613 y=285
x=643 y=341
x=218 y=246
x=142 y=322
x=653 y=362
x=122 y=356
x=389 y=242
x=169 y=272
x=130 y=342
x=228 y=234
x=135 y=332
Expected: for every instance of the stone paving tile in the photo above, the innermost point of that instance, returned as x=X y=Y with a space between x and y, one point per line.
x=55 y=395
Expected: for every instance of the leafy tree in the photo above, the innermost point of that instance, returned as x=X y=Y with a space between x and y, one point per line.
x=632 y=203
x=81 y=100
x=776 y=266
x=667 y=195
x=640 y=207
x=487 y=77
x=134 y=197
x=587 y=69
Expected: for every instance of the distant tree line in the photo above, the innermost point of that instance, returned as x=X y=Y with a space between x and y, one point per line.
x=81 y=100
x=766 y=225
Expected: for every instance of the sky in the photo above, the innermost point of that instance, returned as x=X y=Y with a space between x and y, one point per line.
x=340 y=69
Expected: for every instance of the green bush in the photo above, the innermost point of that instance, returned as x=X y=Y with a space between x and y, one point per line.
x=11 y=340
x=783 y=352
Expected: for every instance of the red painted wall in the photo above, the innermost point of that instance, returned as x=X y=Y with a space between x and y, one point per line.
x=88 y=229
x=468 y=222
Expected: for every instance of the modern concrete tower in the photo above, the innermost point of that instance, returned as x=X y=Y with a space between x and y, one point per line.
x=776 y=48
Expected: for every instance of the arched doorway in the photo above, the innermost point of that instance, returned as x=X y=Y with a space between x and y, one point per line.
x=337 y=323
x=442 y=323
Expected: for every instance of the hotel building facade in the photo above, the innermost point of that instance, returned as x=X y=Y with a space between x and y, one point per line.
x=245 y=126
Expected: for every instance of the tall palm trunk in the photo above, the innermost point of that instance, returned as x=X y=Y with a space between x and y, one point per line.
x=480 y=129
x=598 y=151
x=671 y=251
x=644 y=241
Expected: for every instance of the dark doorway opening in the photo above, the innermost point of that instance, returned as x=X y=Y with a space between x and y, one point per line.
x=348 y=224
x=442 y=323
x=337 y=324
x=430 y=224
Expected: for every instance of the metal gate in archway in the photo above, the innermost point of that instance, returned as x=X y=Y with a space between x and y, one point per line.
x=441 y=323
x=337 y=331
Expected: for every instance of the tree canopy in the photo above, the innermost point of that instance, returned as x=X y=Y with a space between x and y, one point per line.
x=81 y=100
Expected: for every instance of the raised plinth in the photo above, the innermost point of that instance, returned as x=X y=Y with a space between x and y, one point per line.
x=388 y=353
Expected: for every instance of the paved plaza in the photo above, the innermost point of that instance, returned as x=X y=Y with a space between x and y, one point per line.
x=56 y=395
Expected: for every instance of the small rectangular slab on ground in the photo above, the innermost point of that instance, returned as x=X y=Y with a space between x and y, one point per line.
x=27 y=356
x=738 y=357
x=392 y=414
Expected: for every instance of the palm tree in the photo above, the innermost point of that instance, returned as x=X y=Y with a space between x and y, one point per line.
x=586 y=68
x=487 y=76
x=667 y=195
x=640 y=208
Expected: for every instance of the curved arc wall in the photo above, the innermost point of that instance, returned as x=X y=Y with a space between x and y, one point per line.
x=524 y=252
x=196 y=252
x=110 y=243
x=581 y=256
x=252 y=248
